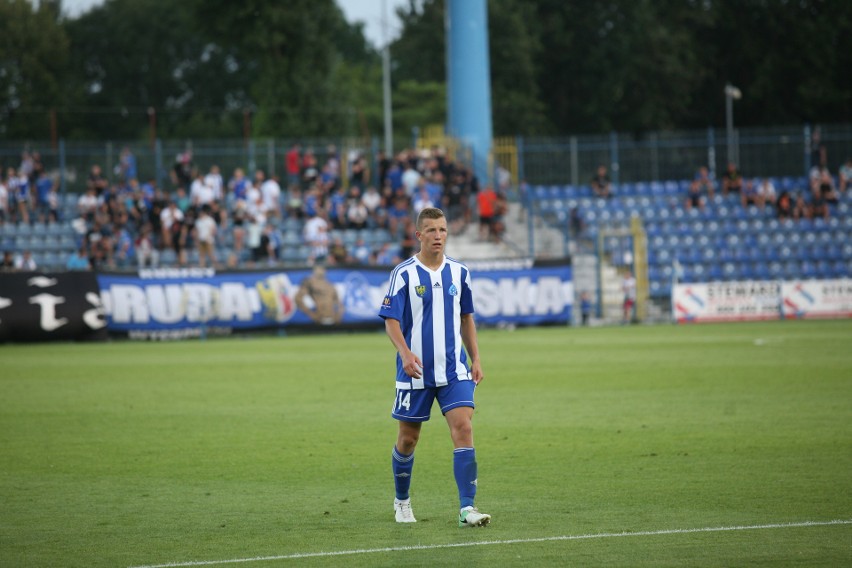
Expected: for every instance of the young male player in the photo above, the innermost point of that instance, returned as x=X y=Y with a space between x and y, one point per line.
x=428 y=313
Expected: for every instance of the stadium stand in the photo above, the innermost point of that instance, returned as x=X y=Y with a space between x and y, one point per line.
x=724 y=241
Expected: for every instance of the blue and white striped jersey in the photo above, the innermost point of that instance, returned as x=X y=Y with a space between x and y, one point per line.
x=429 y=305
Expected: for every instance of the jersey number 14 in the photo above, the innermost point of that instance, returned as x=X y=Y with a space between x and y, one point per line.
x=403 y=399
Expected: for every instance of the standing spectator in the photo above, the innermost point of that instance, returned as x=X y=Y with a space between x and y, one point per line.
x=123 y=243
x=19 y=188
x=585 y=307
x=182 y=171
x=146 y=250
x=487 y=200
x=205 y=237
x=293 y=165
x=173 y=234
x=357 y=214
x=845 y=175
x=601 y=185
x=200 y=194
x=256 y=218
x=359 y=175
x=310 y=171
x=270 y=189
x=410 y=179
x=96 y=180
x=628 y=287
x=372 y=201
x=337 y=208
x=214 y=181
x=44 y=185
x=4 y=200
x=238 y=184
x=703 y=185
x=127 y=165
x=732 y=180
x=316 y=237
x=87 y=204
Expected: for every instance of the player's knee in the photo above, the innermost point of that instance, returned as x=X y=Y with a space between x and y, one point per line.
x=462 y=431
x=406 y=442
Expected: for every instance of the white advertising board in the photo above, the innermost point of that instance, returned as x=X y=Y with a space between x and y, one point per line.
x=727 y=301
x=808 y=299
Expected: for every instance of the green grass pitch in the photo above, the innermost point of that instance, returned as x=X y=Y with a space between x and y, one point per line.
x=139 y=454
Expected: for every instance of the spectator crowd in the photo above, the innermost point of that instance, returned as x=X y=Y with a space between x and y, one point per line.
x=247 y=218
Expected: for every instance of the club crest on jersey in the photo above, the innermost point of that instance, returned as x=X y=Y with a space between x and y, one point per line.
x=420 y=290
x=453 y=290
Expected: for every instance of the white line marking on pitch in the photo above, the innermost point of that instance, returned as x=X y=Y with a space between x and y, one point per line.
x=490 y=542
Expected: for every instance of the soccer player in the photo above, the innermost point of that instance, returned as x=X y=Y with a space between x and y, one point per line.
x=428 y=313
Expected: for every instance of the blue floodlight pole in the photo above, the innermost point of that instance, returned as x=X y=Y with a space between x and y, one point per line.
x=469 y=80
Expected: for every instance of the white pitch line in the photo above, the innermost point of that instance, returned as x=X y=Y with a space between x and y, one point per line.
x=491 y=542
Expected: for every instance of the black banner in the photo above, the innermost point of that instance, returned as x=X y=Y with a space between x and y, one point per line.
x=38 y=306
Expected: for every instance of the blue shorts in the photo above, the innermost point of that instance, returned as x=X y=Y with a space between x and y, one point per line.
x=415 y=405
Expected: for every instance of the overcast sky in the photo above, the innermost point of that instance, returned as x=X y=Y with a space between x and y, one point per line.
x=367 y=11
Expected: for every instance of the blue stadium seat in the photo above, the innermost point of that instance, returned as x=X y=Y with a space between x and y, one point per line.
x=839 y=269
x=761 y=271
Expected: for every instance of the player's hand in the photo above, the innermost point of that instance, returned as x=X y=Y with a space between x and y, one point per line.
x=476 y=372
x=412 y=365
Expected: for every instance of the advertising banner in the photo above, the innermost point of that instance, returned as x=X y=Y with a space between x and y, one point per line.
x=811 y=299
x=175 y=303
x=727 y=301
x=50 y=306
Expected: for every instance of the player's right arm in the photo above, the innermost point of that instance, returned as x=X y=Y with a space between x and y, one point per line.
x=411 y=363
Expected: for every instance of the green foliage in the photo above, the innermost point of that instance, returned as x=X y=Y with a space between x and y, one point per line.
x=300 y=70
x=128 y=454
x=33 y=55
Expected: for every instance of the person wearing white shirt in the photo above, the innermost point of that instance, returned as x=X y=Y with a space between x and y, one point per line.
x=169 y=217
x=4 y=202
x=214 y=181
x=410 y=179
x=200 y=194
x=271 y=191
x=205 y=237
x=316 y=237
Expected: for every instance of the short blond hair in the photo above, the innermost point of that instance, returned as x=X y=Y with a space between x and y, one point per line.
x=428 y=213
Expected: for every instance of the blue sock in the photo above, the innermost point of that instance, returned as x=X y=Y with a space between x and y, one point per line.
x=464 y=468
x=402 y=467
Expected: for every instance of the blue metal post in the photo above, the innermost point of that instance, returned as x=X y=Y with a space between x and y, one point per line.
x=469 y=80
x=62 y=181
x=613 y=152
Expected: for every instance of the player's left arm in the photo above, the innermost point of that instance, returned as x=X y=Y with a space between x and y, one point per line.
x=468 y=334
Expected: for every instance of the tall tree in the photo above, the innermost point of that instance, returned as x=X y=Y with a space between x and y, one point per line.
x=129 y=55
x=33 y=55
x=293 y=46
